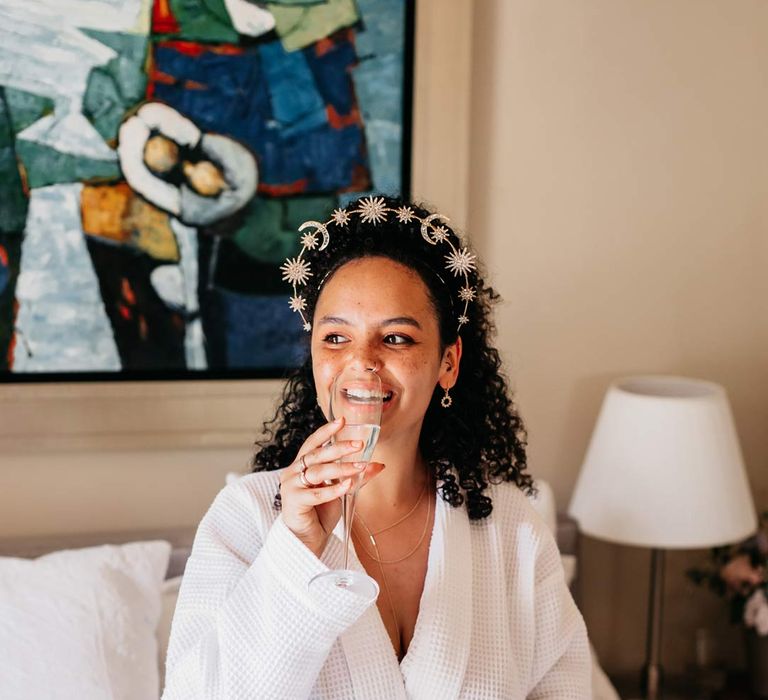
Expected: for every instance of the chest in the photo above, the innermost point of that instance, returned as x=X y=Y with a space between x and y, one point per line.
x=401 y=585
x=401 y=588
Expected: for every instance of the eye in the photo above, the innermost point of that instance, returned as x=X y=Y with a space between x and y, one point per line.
x=398 y=339
x=334 y=339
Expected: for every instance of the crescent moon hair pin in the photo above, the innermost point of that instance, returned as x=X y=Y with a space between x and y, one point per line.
x=297 y=271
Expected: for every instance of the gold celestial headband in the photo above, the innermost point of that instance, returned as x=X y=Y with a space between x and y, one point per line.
x=458 y=261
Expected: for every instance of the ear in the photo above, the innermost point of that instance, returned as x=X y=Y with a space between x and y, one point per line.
x=449 y=365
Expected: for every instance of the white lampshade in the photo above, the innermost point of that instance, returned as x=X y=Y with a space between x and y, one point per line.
x=664 y=468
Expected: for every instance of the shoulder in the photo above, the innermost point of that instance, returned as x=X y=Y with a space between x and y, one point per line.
x=523 y=530
x=245 y=506
x=512 y=506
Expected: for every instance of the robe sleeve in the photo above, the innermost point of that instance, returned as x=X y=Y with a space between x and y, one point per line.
x=245 y=625
x=562 y=666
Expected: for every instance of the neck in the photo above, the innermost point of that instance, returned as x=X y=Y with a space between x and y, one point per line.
x=398 y=486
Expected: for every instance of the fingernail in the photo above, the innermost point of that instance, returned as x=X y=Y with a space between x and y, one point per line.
x=360 y=465
x=337 y=421
x=357 y=443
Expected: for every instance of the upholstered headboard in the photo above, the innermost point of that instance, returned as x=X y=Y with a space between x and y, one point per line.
x=30 y=547
x=181 y=540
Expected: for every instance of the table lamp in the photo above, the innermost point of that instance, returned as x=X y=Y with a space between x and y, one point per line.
x=663 y=470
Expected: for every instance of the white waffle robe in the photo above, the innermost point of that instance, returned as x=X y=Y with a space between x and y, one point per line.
x=496 y=619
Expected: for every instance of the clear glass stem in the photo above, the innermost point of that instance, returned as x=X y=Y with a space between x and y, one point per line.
x=348 y=513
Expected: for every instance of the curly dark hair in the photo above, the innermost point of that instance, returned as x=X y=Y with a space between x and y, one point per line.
x=480 y=439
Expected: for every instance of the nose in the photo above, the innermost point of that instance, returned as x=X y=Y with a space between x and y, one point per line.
x=364 y=358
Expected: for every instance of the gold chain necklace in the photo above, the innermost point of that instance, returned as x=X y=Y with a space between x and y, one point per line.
x=405 y=517
x=377 y=558
x=381 y=562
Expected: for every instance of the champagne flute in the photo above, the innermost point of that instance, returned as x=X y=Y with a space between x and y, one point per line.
x=356 y=396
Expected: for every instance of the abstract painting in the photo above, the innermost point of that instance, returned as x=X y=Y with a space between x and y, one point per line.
x=156 y=160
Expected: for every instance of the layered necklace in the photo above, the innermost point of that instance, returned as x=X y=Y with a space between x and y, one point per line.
x=376 y=556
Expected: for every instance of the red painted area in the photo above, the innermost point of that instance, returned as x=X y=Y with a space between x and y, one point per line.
x=195 y=49
x=127 y=291
x=157 y=76
x=125 y=312
x=163 y=19
x=12 y=344
x=323 y=46
x=284 y=190
x=339 y=121
x=328 y=43
x=3 y=257
x=149 y=67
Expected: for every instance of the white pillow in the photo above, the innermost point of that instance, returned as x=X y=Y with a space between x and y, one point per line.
x=81 y=623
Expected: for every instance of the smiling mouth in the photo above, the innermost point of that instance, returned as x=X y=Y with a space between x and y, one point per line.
x=366 y=395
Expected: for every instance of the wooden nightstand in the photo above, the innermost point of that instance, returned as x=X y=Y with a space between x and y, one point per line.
x=674 y=688
x=736 y=688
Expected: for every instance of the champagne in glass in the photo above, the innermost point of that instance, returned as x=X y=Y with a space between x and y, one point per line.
x=356 y=396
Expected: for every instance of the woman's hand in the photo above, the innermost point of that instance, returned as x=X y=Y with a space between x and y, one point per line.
x=312 y=513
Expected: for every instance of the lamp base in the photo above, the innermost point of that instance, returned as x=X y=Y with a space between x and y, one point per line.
x=651 y=681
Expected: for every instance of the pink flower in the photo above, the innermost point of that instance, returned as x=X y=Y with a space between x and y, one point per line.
x=756 y=612
x=739 y=574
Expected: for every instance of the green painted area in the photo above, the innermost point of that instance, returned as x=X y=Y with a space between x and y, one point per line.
x=116 y=87
x=13 y=201
x=26 y=108
x=203 y=20
x=269 y=232
x=298 y=2
x=11 y=244
x=301 y=25
x=46 y=166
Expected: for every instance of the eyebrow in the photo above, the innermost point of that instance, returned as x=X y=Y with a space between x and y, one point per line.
x=395 y=321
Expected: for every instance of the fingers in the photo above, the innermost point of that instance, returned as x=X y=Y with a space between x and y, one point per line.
x=322 y=435
x=319 y=474
x=303 y=496
x=329 y=453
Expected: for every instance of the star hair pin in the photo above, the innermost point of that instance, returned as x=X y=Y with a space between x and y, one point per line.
x=297 y=271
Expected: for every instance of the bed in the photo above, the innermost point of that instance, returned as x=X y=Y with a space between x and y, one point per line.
x=103 y=604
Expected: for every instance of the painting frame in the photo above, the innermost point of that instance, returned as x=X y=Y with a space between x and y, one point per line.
x=240 y=373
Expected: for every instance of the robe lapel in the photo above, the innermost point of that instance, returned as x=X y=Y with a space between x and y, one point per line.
x=371 y=660
x=437 y=658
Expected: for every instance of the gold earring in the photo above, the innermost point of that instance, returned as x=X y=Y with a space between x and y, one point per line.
x=446 y=401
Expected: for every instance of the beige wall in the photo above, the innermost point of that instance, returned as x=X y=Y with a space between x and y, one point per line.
x=618 y=182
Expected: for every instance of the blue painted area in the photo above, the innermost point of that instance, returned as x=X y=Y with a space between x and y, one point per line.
x=259 y=104
x=378 y=84
x=378 y=81
x=331 y=74
x=296 y=103
x=235 y=100
x=5 y=272
x=382 y=32
x=260 y=331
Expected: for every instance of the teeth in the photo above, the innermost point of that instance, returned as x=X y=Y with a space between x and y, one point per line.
x=362 y=393
x=366 y=394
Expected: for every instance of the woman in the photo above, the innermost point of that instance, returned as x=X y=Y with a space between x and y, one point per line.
x=473 y=600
